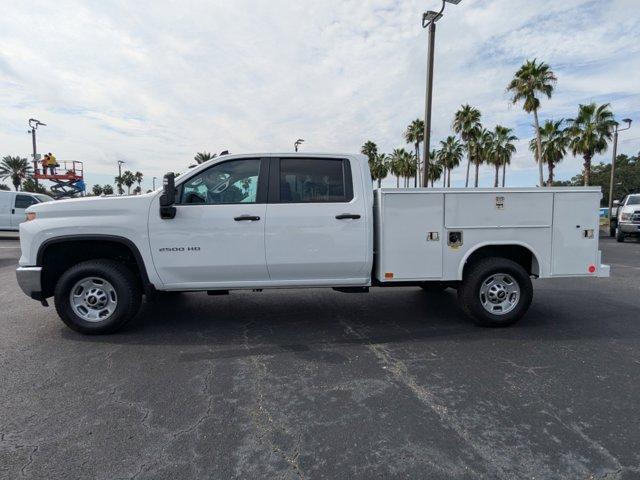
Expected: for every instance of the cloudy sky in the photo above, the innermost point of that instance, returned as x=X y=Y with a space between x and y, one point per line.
x=151 y=83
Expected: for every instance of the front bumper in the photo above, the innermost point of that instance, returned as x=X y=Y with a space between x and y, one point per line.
x=629 y=228
x=29 y=281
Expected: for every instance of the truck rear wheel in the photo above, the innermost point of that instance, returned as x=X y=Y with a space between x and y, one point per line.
x=97 y=296
x=496 y=292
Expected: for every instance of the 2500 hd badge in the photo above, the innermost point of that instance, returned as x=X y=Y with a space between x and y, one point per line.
x=180 y=249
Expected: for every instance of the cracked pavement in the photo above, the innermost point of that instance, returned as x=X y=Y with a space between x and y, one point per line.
x=318 y=384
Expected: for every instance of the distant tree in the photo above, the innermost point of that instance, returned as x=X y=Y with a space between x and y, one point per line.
x=4 y=186
x=128 y=179
x=137 y=190
x=466 y=123
x=202 y=157
x=97 y=190
x=380 y=168
x=435 y=168
x=119 y=183
x=501 y=148
x=107 y=190
x=554 y=141
x=370 y=149
x=139 y=177
x=590 y=131
x=30 y=185
x=414 y=134
x=480 y=148
x=532 y=79
x=450 y=155
x=15 y=168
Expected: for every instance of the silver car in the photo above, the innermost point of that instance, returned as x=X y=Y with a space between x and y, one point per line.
x=628 y=217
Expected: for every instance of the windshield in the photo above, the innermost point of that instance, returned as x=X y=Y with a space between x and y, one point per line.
x=634 y=200
x=43 y=198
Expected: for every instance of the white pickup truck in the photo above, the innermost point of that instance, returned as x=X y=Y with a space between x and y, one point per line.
x=303 y=220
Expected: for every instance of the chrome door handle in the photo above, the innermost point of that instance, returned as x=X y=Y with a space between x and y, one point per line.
x=247 y=218
x=344 y=216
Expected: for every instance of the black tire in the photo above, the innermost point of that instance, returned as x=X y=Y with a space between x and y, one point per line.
x=619 y=235
x=434 y=287
x=612 y=230
x=124 y=282
x=469 y=291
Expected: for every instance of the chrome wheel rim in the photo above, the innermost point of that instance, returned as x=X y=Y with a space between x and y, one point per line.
x=93 y=299
x=499 y=293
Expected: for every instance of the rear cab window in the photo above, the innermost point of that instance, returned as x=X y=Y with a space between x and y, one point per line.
x=314 y=180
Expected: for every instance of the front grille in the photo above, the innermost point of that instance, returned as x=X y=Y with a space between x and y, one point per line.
x=635 y=218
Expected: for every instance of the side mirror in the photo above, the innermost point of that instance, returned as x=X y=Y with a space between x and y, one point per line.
x=168 y=197
x=616 y=203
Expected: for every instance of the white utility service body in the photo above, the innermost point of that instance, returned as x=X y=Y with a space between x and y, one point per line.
x=303 y=220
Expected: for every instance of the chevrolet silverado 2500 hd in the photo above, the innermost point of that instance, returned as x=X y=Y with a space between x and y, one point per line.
x=301 y=221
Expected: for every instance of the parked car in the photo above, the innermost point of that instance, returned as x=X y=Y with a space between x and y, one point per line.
x=628 y=217
x=13 y=206
x=304 y=221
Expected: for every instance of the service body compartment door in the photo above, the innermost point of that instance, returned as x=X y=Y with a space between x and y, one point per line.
x=575 y=233
x=411 y=237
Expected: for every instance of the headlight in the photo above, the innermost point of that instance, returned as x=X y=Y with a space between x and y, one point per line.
x=625 y=217
x=31 y=216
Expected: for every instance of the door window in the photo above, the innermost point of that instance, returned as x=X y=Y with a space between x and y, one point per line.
x=306 y=180
x=225 y=183
x=24 y=201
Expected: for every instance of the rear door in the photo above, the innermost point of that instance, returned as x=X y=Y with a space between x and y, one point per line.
x=21 y=203
x=316 y=231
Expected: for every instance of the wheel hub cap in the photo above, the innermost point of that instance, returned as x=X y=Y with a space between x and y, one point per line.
x=499 y=293
x=93 y=299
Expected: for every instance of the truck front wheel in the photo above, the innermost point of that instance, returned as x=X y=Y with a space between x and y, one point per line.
x=97 y=296
x=496 y=292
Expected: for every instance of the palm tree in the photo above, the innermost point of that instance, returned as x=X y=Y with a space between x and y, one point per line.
x=128 y=179
x=370 y=149
x=97 y=190
x=202 y=157
x=107 y=190
x=531 y=79
x=409 y=168
x=15 y=168
x=435 y=168
x=138 y=177
x=554 y=141
x=480 y=148
x=590 y=131
x=380 y=168
x=414 y=134
x=400 y=165
x=466 y=123
x=501 y=150
x=450 y=155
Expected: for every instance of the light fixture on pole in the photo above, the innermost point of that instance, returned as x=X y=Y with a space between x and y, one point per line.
x=297 y=143
x=613 y=162
x=429 y=20
x=154 y=183
x=33 y=125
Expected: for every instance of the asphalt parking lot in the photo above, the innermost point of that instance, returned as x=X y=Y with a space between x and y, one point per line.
x=319 y=384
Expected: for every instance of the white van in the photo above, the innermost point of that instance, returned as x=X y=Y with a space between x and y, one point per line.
x=13 y=205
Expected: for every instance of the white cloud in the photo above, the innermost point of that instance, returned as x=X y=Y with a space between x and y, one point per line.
x=154 y=82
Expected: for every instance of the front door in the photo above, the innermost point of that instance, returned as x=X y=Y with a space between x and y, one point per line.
x=22 y=202
x=316 y=230
x=216 y=239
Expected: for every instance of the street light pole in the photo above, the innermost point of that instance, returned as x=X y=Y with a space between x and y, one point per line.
x=154 y=183
x=120 y=162
x=613 y=163
x=33 y=125
x=429 y=20
x=297 y=143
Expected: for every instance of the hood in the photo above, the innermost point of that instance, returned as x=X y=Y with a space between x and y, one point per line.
x=82 y=206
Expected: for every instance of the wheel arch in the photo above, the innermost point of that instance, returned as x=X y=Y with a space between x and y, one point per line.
x=520 y=252
x=77 y=248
